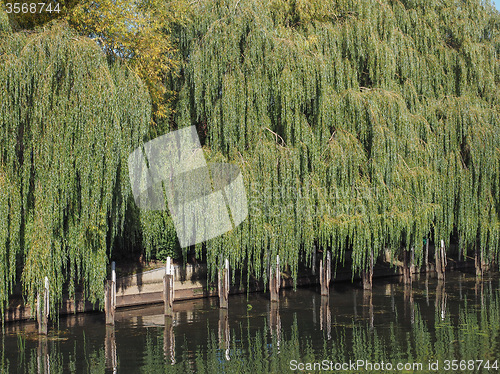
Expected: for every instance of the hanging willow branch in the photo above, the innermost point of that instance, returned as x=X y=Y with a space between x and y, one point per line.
x=387 y=115
x=68 y=121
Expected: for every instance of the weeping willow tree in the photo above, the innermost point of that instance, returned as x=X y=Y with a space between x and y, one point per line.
x=359 y=125
x=68 y=121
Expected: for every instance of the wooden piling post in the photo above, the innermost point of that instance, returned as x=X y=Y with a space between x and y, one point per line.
x=480 y=263
x=223 y=285
x=275 y=280
x=459 y=250
x=440 y=256
x=367 y=275
x=325 y=274
x=412 y=261
x=42 y=305
x=168 y=288
x=110 y=297
x=407 y=273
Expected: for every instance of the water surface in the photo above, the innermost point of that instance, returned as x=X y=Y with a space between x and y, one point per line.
x=428 y=323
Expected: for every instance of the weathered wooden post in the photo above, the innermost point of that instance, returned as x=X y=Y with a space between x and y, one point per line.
x=459 y=251
x=412 y=262
x=479 y=262
x=42 y=309
x=275 y=280
x=367 y=274
x=325 y=273
x=440 y=255
x=407 y=276
x=168 y=288
x=223 y=285
x=110 y=297
x=426 y=255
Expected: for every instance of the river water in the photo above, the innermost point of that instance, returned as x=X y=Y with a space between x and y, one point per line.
x=431 y=327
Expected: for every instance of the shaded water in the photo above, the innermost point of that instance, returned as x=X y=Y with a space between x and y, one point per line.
x=430 y=323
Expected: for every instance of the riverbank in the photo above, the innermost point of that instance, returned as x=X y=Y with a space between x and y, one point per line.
x=191 y=282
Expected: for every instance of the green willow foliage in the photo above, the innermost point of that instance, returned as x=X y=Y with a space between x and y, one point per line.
x=4 y=21
x=68 y=121
x=359 y=125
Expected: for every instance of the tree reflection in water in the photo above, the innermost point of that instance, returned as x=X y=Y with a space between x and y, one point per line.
x=392 y=323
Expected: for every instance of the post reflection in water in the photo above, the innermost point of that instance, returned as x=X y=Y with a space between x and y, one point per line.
x=43 y=360
x=409 y=302
x=110 y=348
x=441 y=299
x=275 y=322
x=224 y=333
x=479 y=291
x=389 y=291
x=368 y=307
x=325 y=316
x=427 y=288
x=169 y=340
